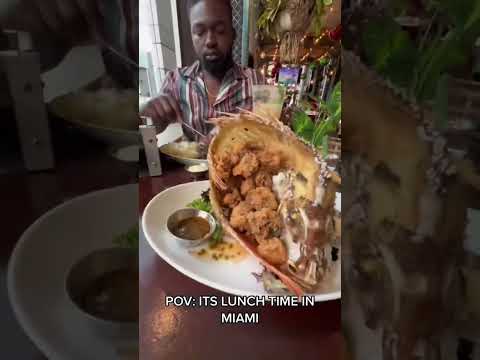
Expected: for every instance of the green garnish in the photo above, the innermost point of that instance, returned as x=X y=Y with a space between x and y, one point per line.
x=203 y=204
x=128 y=240
x=217 y=236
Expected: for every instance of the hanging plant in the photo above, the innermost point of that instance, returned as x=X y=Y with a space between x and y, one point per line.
x=280 y=16
x=268 y=16
x=320 y=6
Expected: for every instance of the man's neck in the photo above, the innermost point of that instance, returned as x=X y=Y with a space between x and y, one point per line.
x=217 y=76
x=213 y=78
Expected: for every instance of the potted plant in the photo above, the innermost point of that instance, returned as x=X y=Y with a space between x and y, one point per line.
x=320 y=133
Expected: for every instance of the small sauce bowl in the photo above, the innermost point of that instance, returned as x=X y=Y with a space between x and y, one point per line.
x=198 y=172
x=197 y=168
x=181 y=219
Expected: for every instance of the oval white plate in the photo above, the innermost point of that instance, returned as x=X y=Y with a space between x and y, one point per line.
x=42 y=259
x=232 y=278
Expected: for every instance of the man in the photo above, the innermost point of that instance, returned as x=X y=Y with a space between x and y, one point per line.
x=213 y=84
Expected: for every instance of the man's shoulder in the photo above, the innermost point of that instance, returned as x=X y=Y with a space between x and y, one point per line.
x=189 y=71
x=182 y=72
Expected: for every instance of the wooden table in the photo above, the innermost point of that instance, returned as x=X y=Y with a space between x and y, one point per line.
x=172 y=333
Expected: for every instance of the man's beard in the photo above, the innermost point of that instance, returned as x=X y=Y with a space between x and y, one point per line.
x=219 y=67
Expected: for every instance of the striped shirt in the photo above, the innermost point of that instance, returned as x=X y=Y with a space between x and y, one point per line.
x=186 y=85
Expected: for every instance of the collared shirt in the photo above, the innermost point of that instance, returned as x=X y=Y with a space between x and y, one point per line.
x=186 y=85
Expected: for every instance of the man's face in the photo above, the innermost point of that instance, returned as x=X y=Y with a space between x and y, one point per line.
x=212 y=35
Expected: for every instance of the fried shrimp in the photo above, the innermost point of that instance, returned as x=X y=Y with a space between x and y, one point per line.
x=238 y=218
x=262 y=198
x=263 y=179
x=247 y=186
x=232 y=199
x=274 y=251
x=223 y=166
x=270 y=161
x=264 y=223
x=247 y=166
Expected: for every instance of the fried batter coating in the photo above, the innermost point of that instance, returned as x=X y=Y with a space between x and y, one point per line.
x=232 y=199
x=247 y=186
x=237 y=152
x=264 y=224
x=273 y=251
x=263 y=179
x=247 y=166
x=238 y=218
x=223 y=166
x=270 y=161
x=262 y=197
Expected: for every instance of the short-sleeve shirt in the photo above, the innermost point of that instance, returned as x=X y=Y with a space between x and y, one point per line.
x=186 y=85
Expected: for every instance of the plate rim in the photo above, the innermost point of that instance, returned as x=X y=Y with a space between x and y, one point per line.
x=318 y=297
x=21 y=315
x=179 y=158
x=90 y=126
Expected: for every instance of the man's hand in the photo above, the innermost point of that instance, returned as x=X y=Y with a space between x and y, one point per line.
x=163 y=110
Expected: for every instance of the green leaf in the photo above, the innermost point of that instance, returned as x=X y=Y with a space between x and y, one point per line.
x=205 y=205
x=129 y=240
x=439 y=58
x=323 y=62
x=217 y=236
x=460 y=12
x=303 y=126
x=201 y=204
x=334 y=102
x=474 y=15
x=325 y=146
x=389 y=50
x=268 y=16
x=319 y=133
x=317 y=19
x=440 y=105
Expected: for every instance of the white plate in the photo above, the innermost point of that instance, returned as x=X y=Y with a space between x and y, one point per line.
x=44 y=255
x=181 y=159
x=232 y=278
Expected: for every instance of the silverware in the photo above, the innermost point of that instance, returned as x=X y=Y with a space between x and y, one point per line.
x=121 y=56
x=192 y=129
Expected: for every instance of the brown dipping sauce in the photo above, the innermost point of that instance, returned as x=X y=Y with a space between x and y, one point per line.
x=113 y=296
x=193 y=228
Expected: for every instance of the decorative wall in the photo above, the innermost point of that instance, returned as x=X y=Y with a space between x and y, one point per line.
x=237 y=12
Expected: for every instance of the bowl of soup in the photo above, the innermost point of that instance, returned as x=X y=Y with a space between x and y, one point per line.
x=103 y=287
